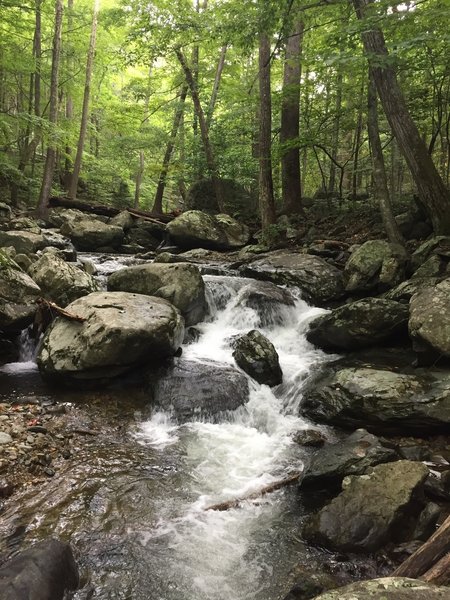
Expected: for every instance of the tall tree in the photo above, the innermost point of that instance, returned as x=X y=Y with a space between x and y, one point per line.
x=290 y=122
x=85 y=110
x=50 y=158
x=431 y=188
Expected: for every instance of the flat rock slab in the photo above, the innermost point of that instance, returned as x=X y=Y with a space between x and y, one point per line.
x=388 y=588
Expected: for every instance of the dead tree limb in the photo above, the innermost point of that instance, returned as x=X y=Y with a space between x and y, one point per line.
x=439 y=574
x=272 y=487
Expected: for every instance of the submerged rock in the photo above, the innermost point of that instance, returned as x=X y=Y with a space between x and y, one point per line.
x=359 y=324
x=60 y=281
x=195 y=228
x=371 y=510
x=381 y=400
x=351 y=456
x=318 y=281
x=256 y=355
x=121 y=330
x=388 y=588
x=375 y=265
x=192 y=389
x=181 y=284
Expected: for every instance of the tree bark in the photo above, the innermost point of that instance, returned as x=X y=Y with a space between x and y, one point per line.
x=439 y=574
x=379 y=171
x=140 y=172
x=85 y=109
x=336 y=132
x=215 y=90
x=290 y=123
x=266 y=198
x=69 y=107
x=49 y=167
x=210 y=158
x=430 y=186
x=157 y=205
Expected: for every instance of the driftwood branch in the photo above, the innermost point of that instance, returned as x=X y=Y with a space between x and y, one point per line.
x=427 y=558
x=272 y=487
x=58 y=311
x=439 y=574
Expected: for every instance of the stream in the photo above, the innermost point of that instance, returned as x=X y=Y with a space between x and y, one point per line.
x=131 y=501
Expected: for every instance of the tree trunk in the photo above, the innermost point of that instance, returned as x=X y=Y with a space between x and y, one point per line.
x=140 y=172
x=157 y=205
x=49 y=167
x=336 y=132
x=210 y=158
x=69 y=107
x=379 y=171
x=290 y=123
x=38 y=59
x=430 y=186
x=358 y=133
x=266 y=199
x=215 y=90
x=85 y=109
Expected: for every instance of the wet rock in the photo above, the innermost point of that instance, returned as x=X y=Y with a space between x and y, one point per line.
x=90 y=234
x=352 y=456
x=120 y=331
x=18 y=293
x=376 y=265
x=266 y=299
x=60 y=281
x=6 y=488
x=371 y=510
x=311 y=584
x=181 y=284
x=426 y=524
x=381 y=400
x=318 y=281
x=310 y=437
x=256 y=355
x=388 y=588
x=43 y=572
x=195 y=228
x=193 y=390
x=359 y=324
x=429 y=322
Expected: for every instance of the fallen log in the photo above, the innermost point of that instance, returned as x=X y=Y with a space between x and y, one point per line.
x=46 y=312
x=267 y=489
x=439 y=574
x=428 y=555
x=58 y=311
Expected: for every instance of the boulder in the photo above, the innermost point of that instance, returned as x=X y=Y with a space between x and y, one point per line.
x=43 y=572
x=435 y=266
x=60 y=281
x=120 y=330
x=266 y=299
x=310 y=583
x=124 y=219
x=405 y=290
x=138 y=236
x=195 y=228
x=375 y=265
x=5 y=212
x=352 y=456
x=318 y=281
x=181 y=284
x=429 y=322
x=256 y=355
x=371 y=510
x=24 y=242
x=310 y=437
x=89 y=233
x=359 y=324
x=430 y=247
x=18 y=293
x=381 y=400
x=388 y=588
x=192 y=389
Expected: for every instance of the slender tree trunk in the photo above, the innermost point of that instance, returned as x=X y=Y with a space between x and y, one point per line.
x=215 y=90
x=49 y=167
x=38 y=59
x=336 y=131
x=358 y=133
x=140 y=172
x=266 y=198
x=157 y=205
x=431 y=188
x=290 y=123
x=85 y=110
x=379 y=171
x=69 y=107
x=210 y=158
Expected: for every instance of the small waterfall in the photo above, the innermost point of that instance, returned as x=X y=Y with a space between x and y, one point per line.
x=27 y=354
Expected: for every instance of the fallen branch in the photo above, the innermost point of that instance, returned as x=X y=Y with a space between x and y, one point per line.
x=54 y=308
x=272 y=487
x=428 y=556
x=439 y=574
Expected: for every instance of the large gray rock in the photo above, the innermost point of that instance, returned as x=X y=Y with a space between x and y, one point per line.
x=43 y=572
x=359 y=324
x=352 y=456
x=429 y=322
x=388 y=588
x=433 y=246
x=194 y=390
x=196 y=229
x=89 y=233
x=181 y=284
x=256 y=355
x=266 y=299
x=376 y=265
x=23 y=242
x=381 y=400
x=121 y=330
x=405 y=290
x=60 y=281
x=319 y=281
x=371 y=510
x=18 y=293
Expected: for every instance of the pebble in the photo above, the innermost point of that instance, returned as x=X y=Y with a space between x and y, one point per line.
x=5 y=438
x=37 y=429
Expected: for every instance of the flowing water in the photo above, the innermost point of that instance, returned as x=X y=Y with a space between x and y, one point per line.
x=132 y=500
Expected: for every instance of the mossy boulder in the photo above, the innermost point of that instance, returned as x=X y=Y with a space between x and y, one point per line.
x=375 y=265
x=256 y=355
x=88 y=233
x=429 y=322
